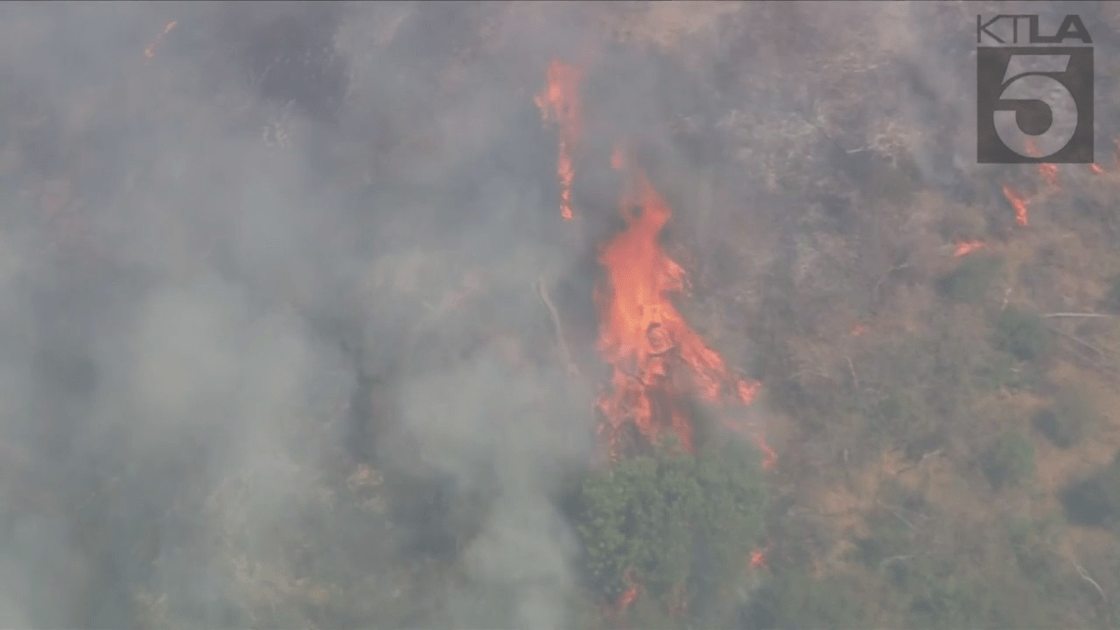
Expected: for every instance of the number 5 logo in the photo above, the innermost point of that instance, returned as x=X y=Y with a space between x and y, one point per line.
x=1024 y=81
x=1035 y=104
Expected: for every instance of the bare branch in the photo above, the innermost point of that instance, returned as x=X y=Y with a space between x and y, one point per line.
x=542 y=291
x=1103 y=315
x=1085 y=576
x=896 y=513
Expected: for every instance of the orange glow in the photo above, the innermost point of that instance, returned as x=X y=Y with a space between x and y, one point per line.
x=559 y=102
x=1097 y=170
x=758 y=559
x=643 y=336
x=1049 y=172
x=629 y=595
x=965 y=248
x=1018 y=202
x=150 y=51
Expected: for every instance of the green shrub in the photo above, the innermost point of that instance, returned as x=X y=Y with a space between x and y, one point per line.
x=670 y=519
x=1022 y=334
x=1111 y=299
x=888 y=537
x=1067 y=421
x=972 y=279
x=1095 y=501
x=793 y=601
x=1009 y=460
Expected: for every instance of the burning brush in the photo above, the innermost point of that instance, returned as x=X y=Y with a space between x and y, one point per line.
x=642 y=336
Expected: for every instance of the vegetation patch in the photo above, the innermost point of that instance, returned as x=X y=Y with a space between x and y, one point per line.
x=1009 y=461
x=971 y=281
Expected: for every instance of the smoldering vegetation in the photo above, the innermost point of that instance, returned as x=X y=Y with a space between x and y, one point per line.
x=273 y=353
x=265 y=277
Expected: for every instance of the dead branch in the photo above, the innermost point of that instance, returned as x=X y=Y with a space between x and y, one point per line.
x=896 y=513
x=852 y=370
x=898 y=558
x=542 y=291
x=1104 y=315
x=1079 y=341
x=1085 y=576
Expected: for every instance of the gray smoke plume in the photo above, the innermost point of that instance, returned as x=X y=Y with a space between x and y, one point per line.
x=270 y=332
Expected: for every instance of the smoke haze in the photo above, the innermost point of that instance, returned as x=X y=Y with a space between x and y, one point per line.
x=300 y=237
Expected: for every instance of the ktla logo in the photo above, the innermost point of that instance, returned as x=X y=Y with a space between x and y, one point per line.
x=1034 y=97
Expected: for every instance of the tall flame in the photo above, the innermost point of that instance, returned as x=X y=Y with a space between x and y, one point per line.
x=1018 y=202
x=642 y=335
x=559 y=102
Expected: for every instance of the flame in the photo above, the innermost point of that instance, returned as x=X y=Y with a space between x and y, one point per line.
x=629 y=595
x=965 y=248
x=758 y=559
x=1018 y=202
x=1097 y=170
x=643 y=336
x=1049 y=172
x=559 y=102
x=150 y=51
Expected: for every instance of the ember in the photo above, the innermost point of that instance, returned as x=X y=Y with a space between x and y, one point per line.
x=758 y=559
x=560 y=103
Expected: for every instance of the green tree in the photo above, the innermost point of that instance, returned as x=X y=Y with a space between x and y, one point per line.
x=1095 y=501
x=1009 y=460
x=668 y=519
x=1067 y=421
x=1022 y=334
x=972 y=279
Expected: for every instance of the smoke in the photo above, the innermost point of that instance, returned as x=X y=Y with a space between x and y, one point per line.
x=280 y=240
x=208 y=249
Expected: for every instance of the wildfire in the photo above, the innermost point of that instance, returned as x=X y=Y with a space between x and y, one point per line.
x=1018 y=202
x=758 y=559
x=643 y=336
x=628 y=596
x=150 y=51
x=965 y=248
x=1049 y=172
x=559 y=102
x=1097 y=170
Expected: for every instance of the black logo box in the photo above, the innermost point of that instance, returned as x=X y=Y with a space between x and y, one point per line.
x=991 y=63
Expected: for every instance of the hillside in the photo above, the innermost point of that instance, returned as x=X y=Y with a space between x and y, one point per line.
x=548 y=315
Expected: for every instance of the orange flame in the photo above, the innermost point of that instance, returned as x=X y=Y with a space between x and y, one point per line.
x=560 y=102
x=758 y=559
x=642 y=335
x=1097 y=170
x=965 y=248
x=1018 y=202
x=150 y=51
x=629 y=595
x=1049 y=172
